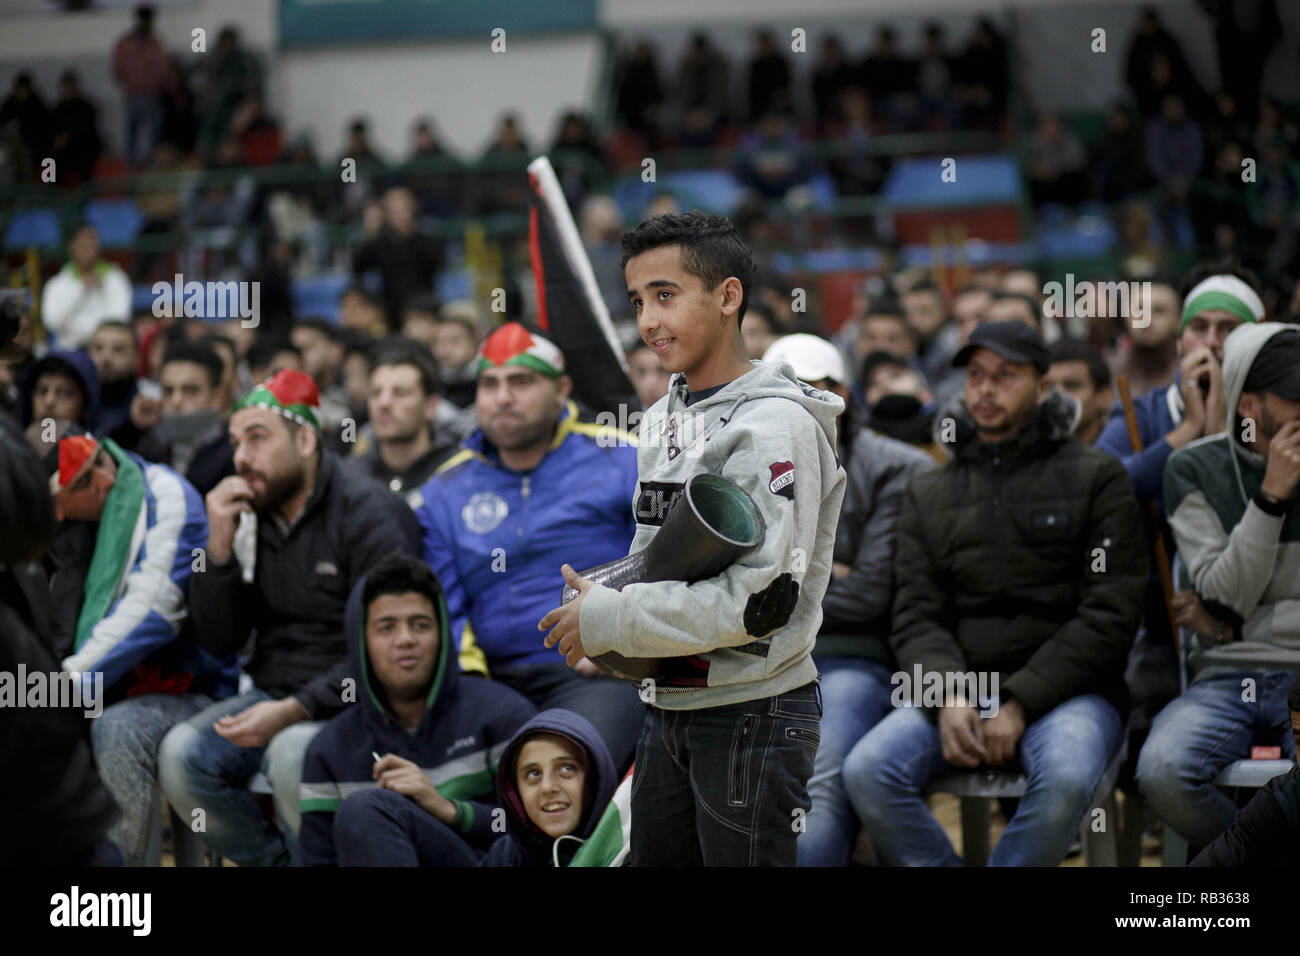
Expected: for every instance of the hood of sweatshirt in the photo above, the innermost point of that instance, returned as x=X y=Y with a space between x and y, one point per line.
x=371 y=698
x=764 y=380
x=1239 y=352
x=77 y=364
x=1052 y=422
x=598 y=787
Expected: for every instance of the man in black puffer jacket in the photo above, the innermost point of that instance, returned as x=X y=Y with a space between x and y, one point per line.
x=1020 y=571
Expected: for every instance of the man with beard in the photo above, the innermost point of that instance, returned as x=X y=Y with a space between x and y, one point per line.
x=113 y=350
x=290 y=534
x=531 y=489
x=998 y=574
x=1234 y=514
x=405 y=448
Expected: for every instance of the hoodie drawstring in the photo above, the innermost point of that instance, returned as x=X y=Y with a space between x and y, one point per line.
x=555 y=847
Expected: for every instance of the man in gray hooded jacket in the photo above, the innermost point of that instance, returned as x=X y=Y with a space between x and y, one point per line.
x=1232 y=505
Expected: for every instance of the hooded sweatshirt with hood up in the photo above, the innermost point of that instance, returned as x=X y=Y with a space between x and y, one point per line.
x=524 y=843
x=1242 y=561
x=77 y=364
x=458 y=742
x=748 y=632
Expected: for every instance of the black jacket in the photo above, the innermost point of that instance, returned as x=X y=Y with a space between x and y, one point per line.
x=1025 y=558
x=855 y=610
x=300 y=588
x=1266 y=832
x=54 y=810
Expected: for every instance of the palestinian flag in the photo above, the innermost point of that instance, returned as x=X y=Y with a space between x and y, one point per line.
x=570 y=310
x=609 y=843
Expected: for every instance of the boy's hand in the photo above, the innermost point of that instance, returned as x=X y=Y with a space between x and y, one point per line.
x=402 y=776
x=565 y=619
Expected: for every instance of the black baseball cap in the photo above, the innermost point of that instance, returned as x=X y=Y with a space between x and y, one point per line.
x=1014 y=341
x=1276 y=367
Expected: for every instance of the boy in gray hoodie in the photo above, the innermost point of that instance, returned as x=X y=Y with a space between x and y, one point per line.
x=1235 y=515
x=732 y=728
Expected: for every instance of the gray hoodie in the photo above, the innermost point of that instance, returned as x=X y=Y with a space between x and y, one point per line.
x=1243 y=562
x=747 y=633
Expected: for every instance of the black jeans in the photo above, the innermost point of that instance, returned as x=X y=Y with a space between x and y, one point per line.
x=725 y=786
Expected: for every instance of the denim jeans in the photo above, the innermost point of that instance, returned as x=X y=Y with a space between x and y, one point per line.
x=1199 y=733
x=1063 y=754
x=611 y=705
x=383 y=828
x=126 y=738
x=725 y=786
x=200 y=769
x=855 y=695
x=144 y=122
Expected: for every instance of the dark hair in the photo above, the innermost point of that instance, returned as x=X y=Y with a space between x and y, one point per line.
x=264 y=350
x=400 y=573
x=400 y=351
x=363 y=293
x=1203 y=270
x=219 y=340
x=1035 y=308
x=712 y=250
x=880 y=359
x=357 y=343
x=324 y=326
x=886 y=306
x=197 y=353
x=1072 y=350
x=925 y=285
x=421 y=302
x=1293 y=698
x=26 y=508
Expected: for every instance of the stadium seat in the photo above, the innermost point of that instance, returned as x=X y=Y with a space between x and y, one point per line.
x=978 y=788
x=319 y=295
x=33 y=227
x=118 y=220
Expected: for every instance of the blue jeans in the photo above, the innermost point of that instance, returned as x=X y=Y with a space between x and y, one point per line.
x=725 y=786
x=1199 y=733
x=201 y=770
x=144 y=122
x=1063 y=754
x=855 y=695
x=126 y=739
x=383 y=828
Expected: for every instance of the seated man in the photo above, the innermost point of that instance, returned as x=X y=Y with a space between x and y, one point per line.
x=555 y=782
x=1266 y=832
x=403 y=446
x=117 y=361
x=1233 y=509
x=427 y=800
x=186 y=428
x=290 y=535
x=128 y=636
x=532 y=488
x=1018 y=572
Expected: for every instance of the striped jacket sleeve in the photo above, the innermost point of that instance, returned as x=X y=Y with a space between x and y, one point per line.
x=151 y=607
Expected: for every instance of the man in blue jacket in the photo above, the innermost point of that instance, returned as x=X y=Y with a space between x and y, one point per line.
x=531 y=489
x=129 y=642
x=428 y=798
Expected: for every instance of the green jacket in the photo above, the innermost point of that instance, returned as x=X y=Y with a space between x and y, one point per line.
x=1024 y=559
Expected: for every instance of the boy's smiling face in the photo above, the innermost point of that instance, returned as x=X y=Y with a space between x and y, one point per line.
x=550 y=779
x=684 y=323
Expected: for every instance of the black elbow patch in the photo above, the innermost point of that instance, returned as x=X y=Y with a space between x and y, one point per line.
x=770 y=608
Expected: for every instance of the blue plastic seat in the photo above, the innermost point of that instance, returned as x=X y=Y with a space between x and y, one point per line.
x=117 y=220
x=33 y=227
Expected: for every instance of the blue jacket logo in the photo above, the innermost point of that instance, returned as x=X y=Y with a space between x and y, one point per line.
x=484 y=511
